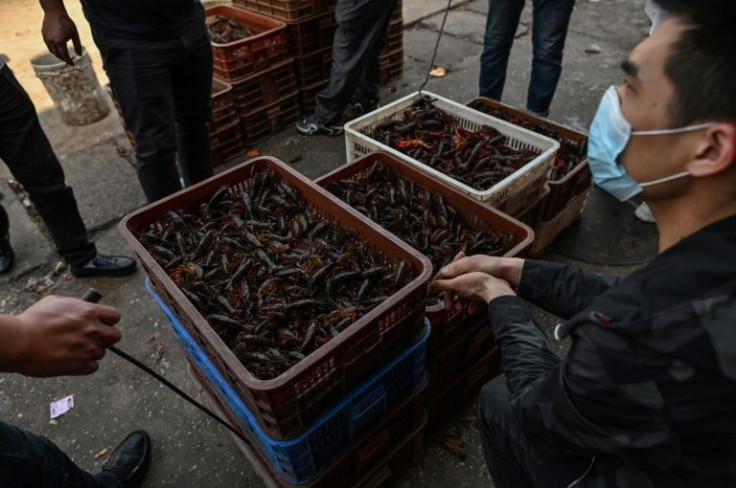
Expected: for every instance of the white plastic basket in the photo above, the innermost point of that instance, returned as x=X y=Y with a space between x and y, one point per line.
x=509 y=195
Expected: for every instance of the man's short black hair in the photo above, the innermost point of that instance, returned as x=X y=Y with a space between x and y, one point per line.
x=702 y=65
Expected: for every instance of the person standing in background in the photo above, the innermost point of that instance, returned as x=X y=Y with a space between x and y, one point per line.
x=26 y=151
x=354 y=76
x=158 y=58
x=549 y=31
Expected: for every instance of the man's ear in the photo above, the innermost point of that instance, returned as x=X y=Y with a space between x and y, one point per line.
x=715 y=151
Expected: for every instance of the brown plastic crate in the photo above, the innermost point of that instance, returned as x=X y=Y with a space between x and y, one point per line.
x=531 y=215
x=398 y=13
x=286 y=405
x=312 y=33
x=573 y=183
x=391 y=445
x=450 y=362
x=223 y=155
x=288 y=9
x=255 y=92
x=547 y=231
x=313 y=68
x=392 y=66
x=477 y=214
x=270 y=120
x=307 y=103
x=254 y=54
x=465 y=388
x=222 y=103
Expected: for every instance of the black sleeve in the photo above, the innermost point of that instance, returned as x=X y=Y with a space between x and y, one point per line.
x=561 y=289
x=574 y=405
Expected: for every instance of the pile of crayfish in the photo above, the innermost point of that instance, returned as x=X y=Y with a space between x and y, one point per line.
x=224 y=30
x=478 y=159
x=421 y=218
x=274 y=279
x=571 y=152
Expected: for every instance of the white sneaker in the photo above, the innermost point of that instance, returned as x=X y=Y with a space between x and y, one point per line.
x=644 y=213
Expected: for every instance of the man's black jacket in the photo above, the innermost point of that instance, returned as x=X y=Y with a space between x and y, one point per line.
x=649 y=384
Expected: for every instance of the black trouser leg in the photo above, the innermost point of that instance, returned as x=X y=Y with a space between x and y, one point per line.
x=28 y=153
x=359 y=38
x=192 y=96
x=29 y=460
x=513 y=458
x=157 y=82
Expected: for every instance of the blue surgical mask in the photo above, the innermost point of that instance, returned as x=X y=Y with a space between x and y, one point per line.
x=609 y=136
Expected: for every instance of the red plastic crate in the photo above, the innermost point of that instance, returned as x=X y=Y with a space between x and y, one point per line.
x=222 y=104
x=254 y=54
x=445 y=329
x=288 y=9
x=312 y=33
x=394 y=37
x=532 y=214
x=285 y=405
x=255 y=92
x=226 y=143
x=382 y=454
x=392 y=66
x=271 y=119
x=563 y=190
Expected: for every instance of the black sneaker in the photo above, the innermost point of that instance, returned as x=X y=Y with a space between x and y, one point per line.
x=7 y=256
x=310 y=126
x=101 y=265
x=129 y=461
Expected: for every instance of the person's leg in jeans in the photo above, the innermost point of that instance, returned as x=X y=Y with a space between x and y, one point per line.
x=30 y=158
x=360 y=26
x=192 y=95
x=30 y=460
x=140 y=77
x=549 y=31
x=501 y=24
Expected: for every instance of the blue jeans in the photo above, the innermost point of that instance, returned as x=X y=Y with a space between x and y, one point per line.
x=31 y=461
x=549 y=31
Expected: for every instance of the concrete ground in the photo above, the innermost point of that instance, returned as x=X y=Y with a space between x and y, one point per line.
x=189 y=449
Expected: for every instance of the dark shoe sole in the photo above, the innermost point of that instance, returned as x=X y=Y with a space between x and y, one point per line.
x=106 y=273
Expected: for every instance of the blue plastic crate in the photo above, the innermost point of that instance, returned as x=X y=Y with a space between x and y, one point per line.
x=302 y=459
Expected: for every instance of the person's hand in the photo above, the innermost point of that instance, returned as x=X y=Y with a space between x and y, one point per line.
x=466 y=287
x=57 y=30
x=63 y=336
x=507 y=269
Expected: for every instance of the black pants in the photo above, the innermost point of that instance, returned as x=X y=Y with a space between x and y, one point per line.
x=27 y=152
x=513 y=459
x=164 y=90
x=359 y=39
x=31 y=461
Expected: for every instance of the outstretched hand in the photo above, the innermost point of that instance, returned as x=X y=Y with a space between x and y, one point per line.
x=57 y=30
x=60 y=336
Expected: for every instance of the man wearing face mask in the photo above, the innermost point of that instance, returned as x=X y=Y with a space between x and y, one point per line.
x=646 y=396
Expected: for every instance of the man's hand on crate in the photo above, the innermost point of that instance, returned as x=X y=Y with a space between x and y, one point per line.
x=473 y=281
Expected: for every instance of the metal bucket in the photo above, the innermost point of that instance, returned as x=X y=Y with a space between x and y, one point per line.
x=75 y=90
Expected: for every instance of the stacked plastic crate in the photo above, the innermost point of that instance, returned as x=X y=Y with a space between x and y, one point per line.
x=461 y=352
x=350 y=413
x=311 y=28
x=260 y=69
x=226 y=140
x=561 y=205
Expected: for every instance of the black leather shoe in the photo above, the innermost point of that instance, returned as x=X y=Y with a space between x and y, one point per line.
x=129 y=461
x=102 y=265
x=7 y=256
